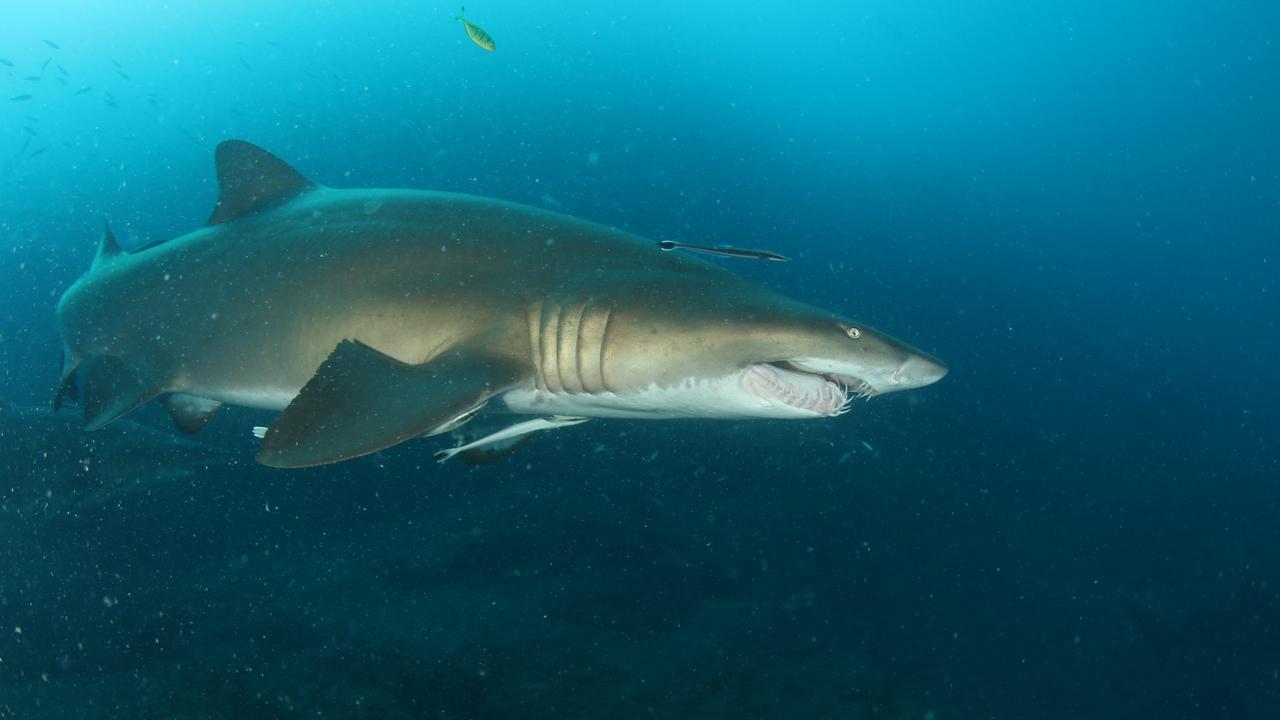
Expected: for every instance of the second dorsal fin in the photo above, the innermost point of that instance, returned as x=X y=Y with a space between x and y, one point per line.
x=250 y=178
x=108 y=248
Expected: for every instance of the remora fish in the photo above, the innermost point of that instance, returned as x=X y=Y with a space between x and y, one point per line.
x=507 y=438
x=723 y=250
x=370 y=317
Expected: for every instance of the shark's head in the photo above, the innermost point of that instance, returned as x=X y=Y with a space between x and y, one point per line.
x=863 y=360
x=756 y=355
x=790 y=360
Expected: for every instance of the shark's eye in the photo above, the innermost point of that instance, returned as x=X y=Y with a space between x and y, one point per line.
x=853 y=332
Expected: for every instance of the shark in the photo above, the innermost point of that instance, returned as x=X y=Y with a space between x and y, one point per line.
x=368 y=317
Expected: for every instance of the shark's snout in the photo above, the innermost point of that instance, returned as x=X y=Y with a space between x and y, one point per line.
x=877 y=365
x=917 y=371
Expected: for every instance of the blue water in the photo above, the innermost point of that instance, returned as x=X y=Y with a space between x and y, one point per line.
x=1075 y=205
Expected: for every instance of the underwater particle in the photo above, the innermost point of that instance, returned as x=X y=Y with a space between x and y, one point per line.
x=593 y=157
x=476 y=33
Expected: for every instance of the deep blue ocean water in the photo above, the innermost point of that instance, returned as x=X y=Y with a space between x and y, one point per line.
x=1075 y=205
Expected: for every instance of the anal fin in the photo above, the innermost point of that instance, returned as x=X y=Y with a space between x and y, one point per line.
x=360 y=401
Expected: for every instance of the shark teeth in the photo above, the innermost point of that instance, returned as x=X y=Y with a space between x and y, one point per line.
x=804 y=391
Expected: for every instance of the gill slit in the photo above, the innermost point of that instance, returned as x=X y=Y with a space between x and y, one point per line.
x=580 y=343
x=604 y=343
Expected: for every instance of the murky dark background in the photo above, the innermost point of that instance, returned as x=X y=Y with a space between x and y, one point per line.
x=1075 y=206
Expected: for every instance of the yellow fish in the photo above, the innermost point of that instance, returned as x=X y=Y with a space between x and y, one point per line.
x=476 y=33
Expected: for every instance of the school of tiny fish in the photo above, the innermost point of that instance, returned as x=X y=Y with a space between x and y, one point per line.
x=478 y=35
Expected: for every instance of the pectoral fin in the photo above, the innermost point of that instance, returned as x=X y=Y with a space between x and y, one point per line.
x=361 y=401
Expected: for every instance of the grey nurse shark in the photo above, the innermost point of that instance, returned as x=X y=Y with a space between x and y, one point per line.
x=370 y=317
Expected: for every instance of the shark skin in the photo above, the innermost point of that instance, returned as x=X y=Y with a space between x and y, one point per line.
x=372 y=316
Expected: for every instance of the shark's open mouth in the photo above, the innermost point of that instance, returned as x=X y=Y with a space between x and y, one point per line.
x=820 y=394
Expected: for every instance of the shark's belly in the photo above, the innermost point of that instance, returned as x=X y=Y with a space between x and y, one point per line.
x=710 y=398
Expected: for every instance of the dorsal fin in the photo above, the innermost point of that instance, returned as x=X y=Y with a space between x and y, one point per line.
x=108 y=248
x=250 y=178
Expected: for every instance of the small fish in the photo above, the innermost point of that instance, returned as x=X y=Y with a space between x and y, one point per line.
x=476 y=33
x=45 y=65
x=53 y=44
x=32 y=78
x=62 y=81
x=30 y=130
x=117 y=64
x=723 y=250
x=6 y=63
x=62 y=69
x=38 y=152
x=21 y=98
x=246 y=64
x=82 y=90
x=274 y=44
x=497 y=445
x=124 y=75
x=111 y=103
